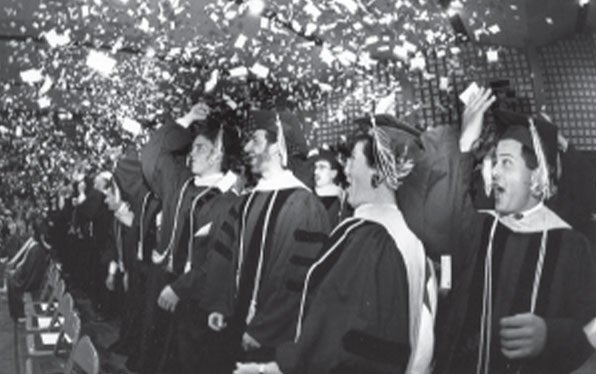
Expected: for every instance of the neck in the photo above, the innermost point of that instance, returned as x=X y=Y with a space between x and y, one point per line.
x=215 y=169
x=274 y=169
x=531 y=204
x=381 y=196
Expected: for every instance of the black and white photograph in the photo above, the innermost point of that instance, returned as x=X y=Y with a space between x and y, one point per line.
x=297 y=186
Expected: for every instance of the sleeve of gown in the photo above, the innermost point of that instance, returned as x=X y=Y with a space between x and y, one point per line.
x=298 y=240
x=188 y=285
x=567 y=345
x=162 y=159
x=435 y=197
x=359 y=321
x=129 y=177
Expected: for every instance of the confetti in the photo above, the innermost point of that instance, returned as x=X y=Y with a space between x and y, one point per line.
x=100 y=62
x=238 y=72
x=259 y=70
x=32 y=76
x=492 y=56
x=240 y=41
x=494 y=29
x=212 y=82
x=130 y=125
x=57 y=40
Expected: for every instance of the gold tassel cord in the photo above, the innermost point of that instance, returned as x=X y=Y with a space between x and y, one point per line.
x=543 y=177
x=393 y=168
x=281 y=141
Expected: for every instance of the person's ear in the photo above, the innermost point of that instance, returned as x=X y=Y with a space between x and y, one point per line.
x=535 y=187
x=376 y=179
x=333 y=174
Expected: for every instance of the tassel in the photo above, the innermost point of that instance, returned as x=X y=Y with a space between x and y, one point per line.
x=543 y=177
x=281 y=141
x=391 y=168
x=252 y=310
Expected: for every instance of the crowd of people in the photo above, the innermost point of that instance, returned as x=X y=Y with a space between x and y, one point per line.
x=405 y=251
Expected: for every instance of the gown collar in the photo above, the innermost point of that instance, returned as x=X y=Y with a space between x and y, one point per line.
x=281 y=181
x=536 y=219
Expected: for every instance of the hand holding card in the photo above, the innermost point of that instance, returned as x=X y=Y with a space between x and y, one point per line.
x=470 y=93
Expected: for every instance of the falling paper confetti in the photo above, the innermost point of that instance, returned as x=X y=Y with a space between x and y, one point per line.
x=492 y=56
x=259 y=70
x=495 y=29
x=32 y=76
x=418 y=63
x=44 y=102
x=101 y=62
x=238 y=72
x=241 y=41
x=47 y=84
x=212 y=82
x=57 y=40
x=130 y=125
x=386 y=105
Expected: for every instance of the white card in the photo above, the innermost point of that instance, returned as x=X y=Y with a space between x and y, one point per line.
x=445 y=273
x=49 y=338
x=469 y=93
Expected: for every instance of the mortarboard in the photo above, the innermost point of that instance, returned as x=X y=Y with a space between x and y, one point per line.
x=292 y=133
x=329 y=156
x=394 y=145
x=536 y=134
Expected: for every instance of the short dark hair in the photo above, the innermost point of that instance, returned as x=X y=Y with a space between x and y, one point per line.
x=529 y=157
x=209 y=129
x=340 y=177
x=367 y=150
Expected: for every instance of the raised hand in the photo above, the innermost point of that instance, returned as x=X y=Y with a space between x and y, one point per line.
x=473 y=118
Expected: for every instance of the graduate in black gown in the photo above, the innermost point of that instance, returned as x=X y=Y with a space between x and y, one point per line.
x=329 y=182
x=26 y=269
x=138 y=245
x=523 y=296
x=259 y=262
x=365 y=305
x=184 y=189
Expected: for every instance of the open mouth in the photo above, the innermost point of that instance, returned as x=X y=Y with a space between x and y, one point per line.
x=498 y=190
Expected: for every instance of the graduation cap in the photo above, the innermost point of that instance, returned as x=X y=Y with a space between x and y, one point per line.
x=286 y=128
x=538 y=135
x=329 y=156
x=394 y=145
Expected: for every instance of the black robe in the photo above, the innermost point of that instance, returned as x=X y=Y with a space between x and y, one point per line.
x=164 y=168
x=337 y=209
x=293 y=238
x=565 y=297
x=138 y=245
x=25 y=274
x=356 y=311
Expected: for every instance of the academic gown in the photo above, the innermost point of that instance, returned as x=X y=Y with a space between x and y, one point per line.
x=355 y=307
x=260 y=257
x=163 y=163
x=200 y=350
x=138 y=247
x=95 y=215
x=26 y=272
x=334 y=201
x=564 y=296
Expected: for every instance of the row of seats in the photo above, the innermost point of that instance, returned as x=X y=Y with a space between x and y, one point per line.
x=53 y=329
